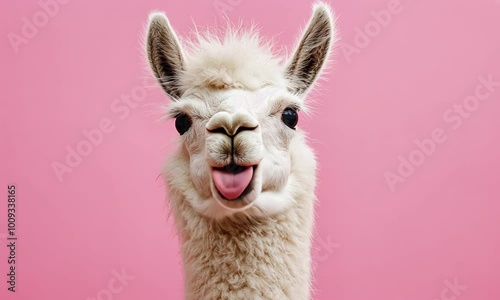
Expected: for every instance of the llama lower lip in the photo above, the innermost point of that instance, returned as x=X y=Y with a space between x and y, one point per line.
x=231 y=183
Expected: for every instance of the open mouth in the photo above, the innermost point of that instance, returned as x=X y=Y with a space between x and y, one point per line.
x=233 y=181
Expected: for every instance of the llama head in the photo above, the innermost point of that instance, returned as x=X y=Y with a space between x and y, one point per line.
x=236 y=106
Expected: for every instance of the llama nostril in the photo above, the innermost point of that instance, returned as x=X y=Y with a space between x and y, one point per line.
x=244 y=128
x=238 y=130
x=218 y=130
x=231 y=124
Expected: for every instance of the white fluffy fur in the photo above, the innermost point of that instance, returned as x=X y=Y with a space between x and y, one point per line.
x=257 y=247
x=238 y=59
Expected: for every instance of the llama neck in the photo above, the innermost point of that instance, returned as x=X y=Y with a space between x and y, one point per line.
x=245 y=258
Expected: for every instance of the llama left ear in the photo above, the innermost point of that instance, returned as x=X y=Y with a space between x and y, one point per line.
x=312 y=51
x=165 y=54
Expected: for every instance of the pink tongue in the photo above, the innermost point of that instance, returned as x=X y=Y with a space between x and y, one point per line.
x=232 y=185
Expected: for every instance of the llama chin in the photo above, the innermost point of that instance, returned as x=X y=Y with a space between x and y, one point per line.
x=241 y=182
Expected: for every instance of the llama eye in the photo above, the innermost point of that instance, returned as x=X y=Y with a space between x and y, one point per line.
x=290 y=117
x=182 y=123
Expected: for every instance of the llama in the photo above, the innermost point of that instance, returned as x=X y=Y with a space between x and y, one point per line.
x=241 y=183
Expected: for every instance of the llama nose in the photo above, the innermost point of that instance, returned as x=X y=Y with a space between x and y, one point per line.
x=231 y=124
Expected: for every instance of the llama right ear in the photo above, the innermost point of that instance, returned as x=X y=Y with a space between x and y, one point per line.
x=312 y=51
x=164 y=54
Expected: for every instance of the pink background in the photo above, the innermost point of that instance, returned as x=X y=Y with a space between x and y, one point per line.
x=440 y=224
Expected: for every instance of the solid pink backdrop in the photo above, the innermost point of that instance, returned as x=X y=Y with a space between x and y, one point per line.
x=430 y=230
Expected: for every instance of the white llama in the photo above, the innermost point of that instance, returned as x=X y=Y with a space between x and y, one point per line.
x=241 y=183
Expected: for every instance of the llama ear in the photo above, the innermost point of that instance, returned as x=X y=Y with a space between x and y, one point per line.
x=164 y=54
x=312 y=51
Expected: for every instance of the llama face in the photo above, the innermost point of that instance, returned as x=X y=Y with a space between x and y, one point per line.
x=238 y=143
x=236 y=109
